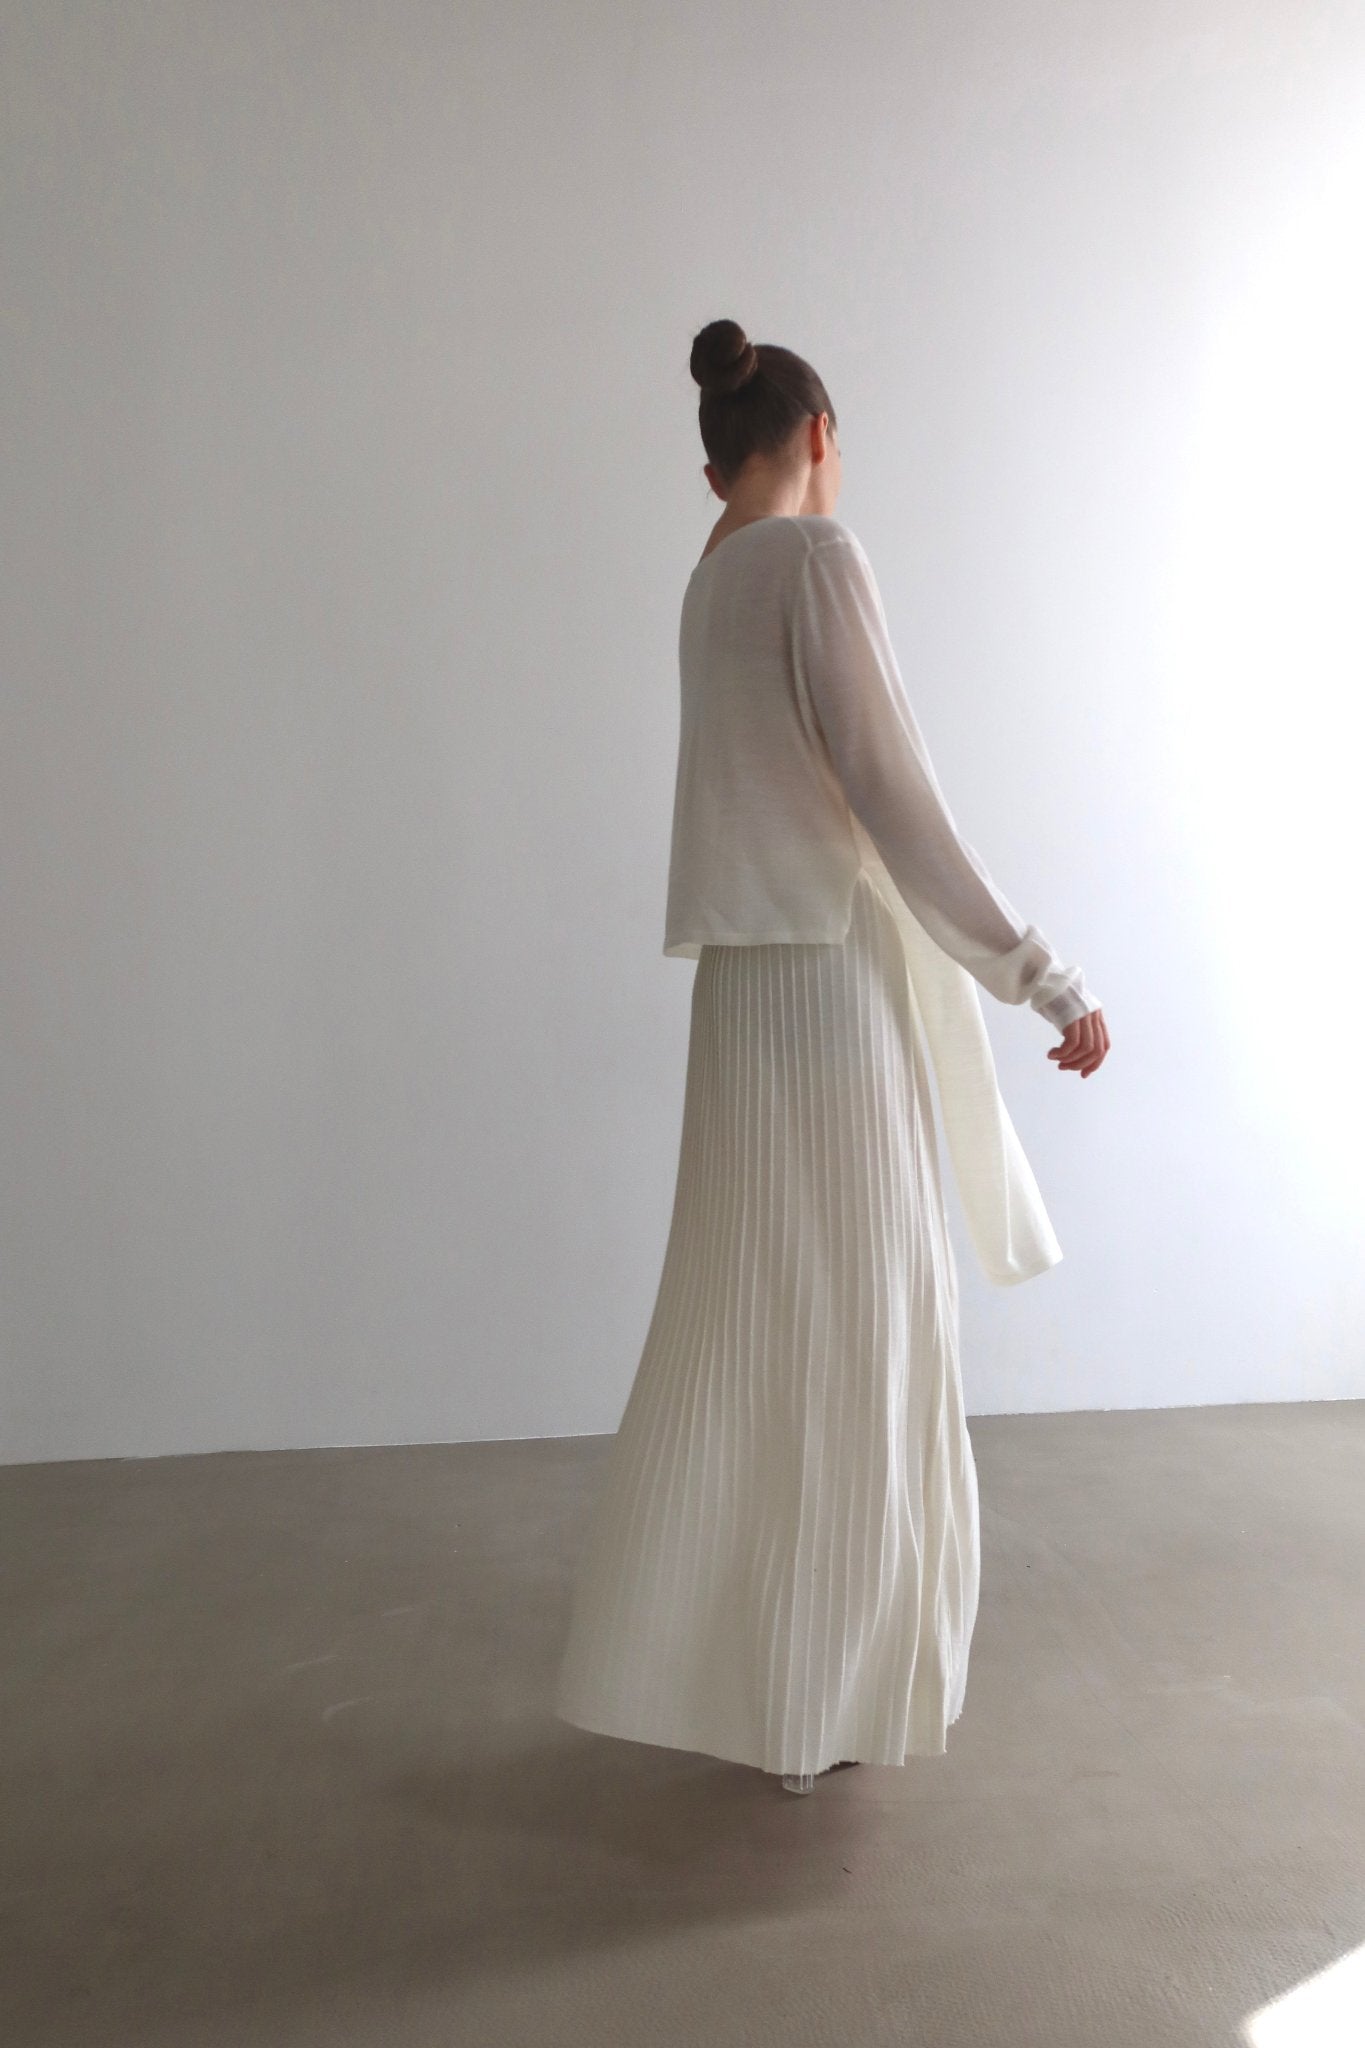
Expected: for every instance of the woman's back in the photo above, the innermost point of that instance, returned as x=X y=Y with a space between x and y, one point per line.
x=761 y=845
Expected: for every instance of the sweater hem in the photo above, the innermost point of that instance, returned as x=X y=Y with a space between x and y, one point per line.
x=690 y=948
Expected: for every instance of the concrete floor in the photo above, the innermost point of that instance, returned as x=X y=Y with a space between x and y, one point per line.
x=278 y=1766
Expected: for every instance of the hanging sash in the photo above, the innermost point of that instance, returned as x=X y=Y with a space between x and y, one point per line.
x=1010 y=1229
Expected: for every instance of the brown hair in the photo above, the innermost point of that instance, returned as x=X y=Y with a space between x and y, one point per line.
x=754 y=395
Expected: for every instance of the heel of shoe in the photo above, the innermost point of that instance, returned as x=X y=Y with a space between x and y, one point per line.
x=797 y=1781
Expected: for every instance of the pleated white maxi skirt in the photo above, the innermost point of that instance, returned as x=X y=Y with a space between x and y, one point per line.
x=781 y=1566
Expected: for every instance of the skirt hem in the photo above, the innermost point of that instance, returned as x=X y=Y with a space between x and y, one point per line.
x=848 y=1750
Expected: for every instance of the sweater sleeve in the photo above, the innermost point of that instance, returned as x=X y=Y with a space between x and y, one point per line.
x=848 y=668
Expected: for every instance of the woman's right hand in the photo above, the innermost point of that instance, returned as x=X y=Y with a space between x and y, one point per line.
x=1084 y=1043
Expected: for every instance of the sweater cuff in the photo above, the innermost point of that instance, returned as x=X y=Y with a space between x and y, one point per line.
x=1064 y=1009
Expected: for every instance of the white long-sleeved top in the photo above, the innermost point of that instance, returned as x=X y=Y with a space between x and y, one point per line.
x=800 y=761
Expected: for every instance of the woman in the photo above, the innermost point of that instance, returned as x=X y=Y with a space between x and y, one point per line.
x=781 y=1567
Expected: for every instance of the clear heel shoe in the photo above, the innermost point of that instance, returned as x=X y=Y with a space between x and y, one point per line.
x=803 y=1781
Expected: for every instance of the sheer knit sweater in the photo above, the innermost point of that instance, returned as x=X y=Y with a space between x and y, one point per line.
x=800 y=761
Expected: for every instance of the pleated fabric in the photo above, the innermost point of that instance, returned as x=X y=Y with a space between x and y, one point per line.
x=781 y=1567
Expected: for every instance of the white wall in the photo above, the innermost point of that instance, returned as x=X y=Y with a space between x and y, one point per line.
x=352 y=481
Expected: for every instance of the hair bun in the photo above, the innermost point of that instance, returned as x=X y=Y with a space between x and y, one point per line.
x=723 y=357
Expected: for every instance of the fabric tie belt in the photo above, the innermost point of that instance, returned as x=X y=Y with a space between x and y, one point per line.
x=1010 y=1229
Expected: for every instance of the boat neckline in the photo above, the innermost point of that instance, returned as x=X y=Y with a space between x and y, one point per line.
x=766 y=519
